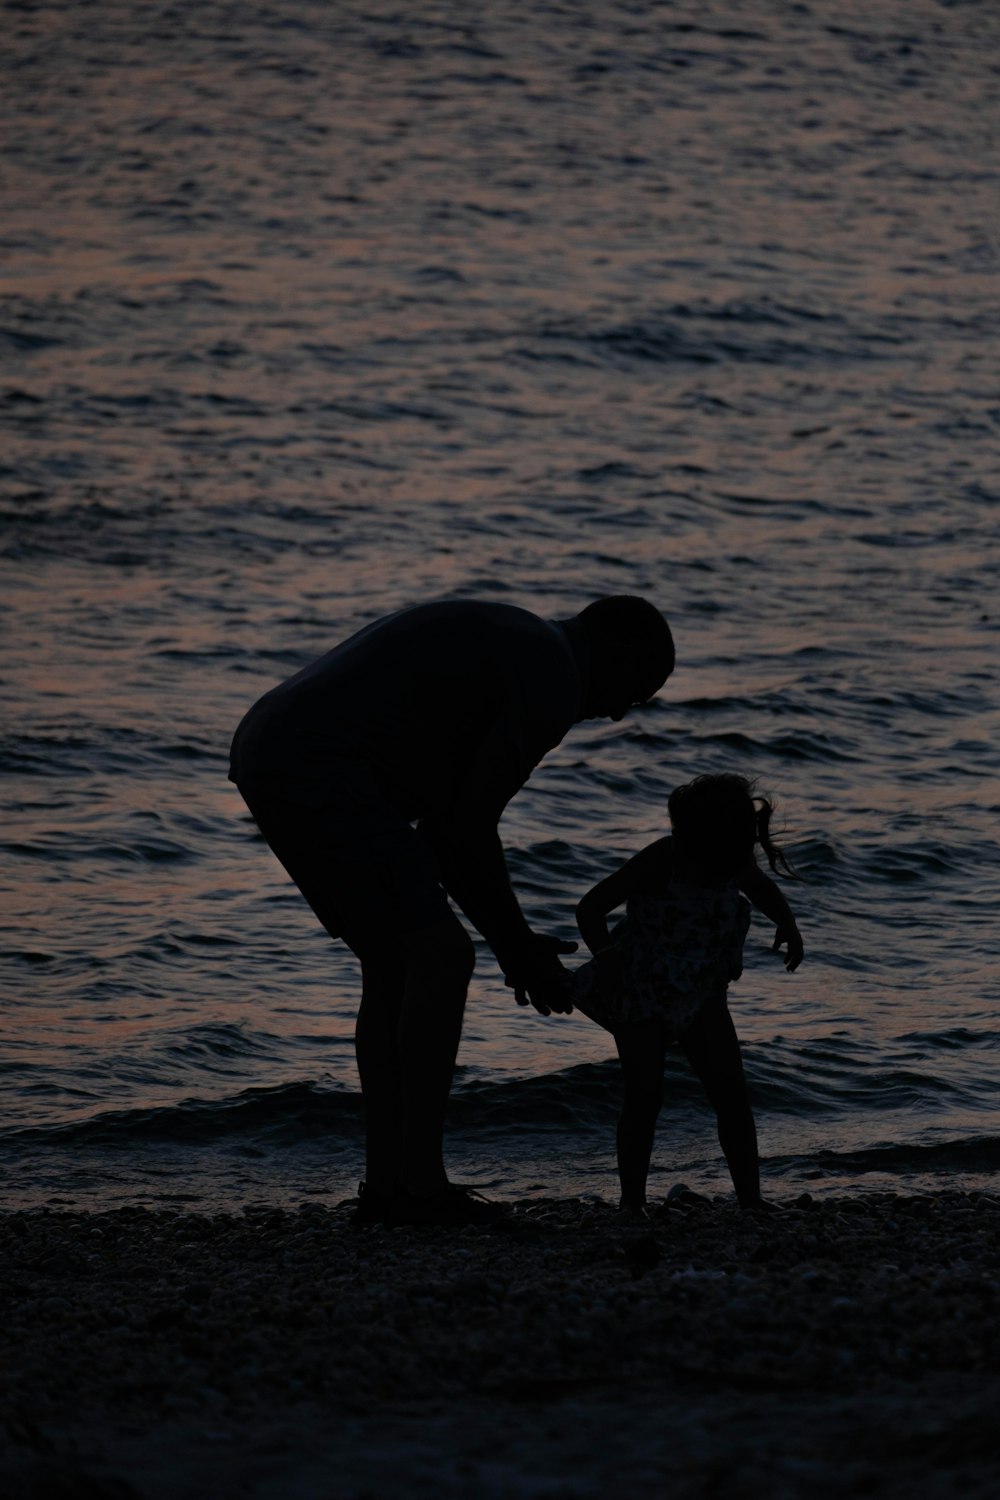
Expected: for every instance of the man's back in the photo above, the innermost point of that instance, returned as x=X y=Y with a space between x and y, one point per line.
x=412 y=697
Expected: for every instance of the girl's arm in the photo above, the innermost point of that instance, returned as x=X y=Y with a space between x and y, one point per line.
x=761 y=890
x=592 y=912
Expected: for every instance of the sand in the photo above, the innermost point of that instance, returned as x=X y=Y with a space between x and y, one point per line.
x=846 y=1346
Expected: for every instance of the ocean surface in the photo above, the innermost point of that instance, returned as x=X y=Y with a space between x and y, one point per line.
x=312 y=310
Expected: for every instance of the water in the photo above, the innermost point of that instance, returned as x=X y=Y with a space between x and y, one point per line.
x=310 y=311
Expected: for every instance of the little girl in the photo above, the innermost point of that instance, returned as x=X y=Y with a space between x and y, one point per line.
x=661 y=975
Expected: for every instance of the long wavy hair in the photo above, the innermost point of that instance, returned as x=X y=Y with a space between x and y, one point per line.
x=720 y=820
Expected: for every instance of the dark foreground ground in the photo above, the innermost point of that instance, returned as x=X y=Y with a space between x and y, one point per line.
x=841 y=1347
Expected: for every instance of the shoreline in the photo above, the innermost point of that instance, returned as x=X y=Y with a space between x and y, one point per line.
x=836 y=1345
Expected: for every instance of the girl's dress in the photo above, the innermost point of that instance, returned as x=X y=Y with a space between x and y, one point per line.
x=680 y=947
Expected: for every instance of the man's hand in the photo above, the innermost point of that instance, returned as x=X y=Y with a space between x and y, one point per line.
x=787 y=932
x=549 y=991
x=540 y=978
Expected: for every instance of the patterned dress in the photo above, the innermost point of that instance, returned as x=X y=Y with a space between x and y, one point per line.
x=680 y=945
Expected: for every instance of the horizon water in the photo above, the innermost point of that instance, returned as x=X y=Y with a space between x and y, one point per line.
x=308 y=312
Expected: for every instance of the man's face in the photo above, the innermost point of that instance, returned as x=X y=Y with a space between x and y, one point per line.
x=613 y=701
x=618 y=682
x=618 y=711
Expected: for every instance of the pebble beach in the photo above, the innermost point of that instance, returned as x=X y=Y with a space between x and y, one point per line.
x=836 y=1346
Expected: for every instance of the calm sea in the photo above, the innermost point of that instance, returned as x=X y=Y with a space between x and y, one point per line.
x=311 y=310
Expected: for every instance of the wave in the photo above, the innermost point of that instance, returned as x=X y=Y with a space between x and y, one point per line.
x=107 y=750
x=807 y=746
x=704 y=334
x=792 y=1086
x=295 y=1111
x=970 y=1156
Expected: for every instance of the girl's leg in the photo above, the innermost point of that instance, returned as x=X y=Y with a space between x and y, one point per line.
x=713 y=1050
x=642 y=1047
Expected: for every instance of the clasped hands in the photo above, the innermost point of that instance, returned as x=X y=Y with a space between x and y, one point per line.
x=539 y=979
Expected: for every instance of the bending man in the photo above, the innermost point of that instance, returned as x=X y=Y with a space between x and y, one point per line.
x=378 y=775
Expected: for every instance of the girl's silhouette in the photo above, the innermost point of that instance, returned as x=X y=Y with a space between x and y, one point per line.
x=661 y=976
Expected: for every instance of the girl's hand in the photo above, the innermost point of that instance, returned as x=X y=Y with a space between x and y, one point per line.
x=787 y=932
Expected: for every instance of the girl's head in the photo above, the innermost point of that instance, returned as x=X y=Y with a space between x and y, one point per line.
x=717 y=822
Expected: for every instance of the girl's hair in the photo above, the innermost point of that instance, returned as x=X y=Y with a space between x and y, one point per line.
x=720 y=819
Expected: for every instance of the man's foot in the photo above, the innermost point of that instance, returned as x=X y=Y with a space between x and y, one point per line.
x=453 y=1208
x=636 y=1213
x=375 y=1208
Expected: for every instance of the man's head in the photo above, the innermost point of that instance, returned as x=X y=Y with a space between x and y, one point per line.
x=631 y=654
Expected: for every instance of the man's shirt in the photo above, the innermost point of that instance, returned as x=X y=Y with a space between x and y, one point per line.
x=449 y=706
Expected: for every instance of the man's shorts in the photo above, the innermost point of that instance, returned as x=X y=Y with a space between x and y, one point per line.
x=366 y=872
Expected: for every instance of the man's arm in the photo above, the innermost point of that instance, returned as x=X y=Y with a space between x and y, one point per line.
x=474 y=873
x=474 y=870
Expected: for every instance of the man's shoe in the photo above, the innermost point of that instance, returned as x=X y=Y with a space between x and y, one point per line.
x=453 y=1208
x=375 y=1208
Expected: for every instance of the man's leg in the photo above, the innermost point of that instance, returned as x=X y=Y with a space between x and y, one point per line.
x=406 y=1039
x=376 y=1034
x=440 y=961
x=416 y=961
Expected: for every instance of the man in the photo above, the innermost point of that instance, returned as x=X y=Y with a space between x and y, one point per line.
x=434 y=717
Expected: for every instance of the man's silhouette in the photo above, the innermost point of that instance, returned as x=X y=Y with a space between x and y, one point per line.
x=378 y=776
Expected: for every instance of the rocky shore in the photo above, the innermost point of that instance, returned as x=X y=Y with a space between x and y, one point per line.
x=834 y=1347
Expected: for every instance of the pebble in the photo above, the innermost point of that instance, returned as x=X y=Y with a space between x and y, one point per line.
x=264 y=1306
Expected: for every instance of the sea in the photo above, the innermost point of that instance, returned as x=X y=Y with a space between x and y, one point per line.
x=313 y=309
